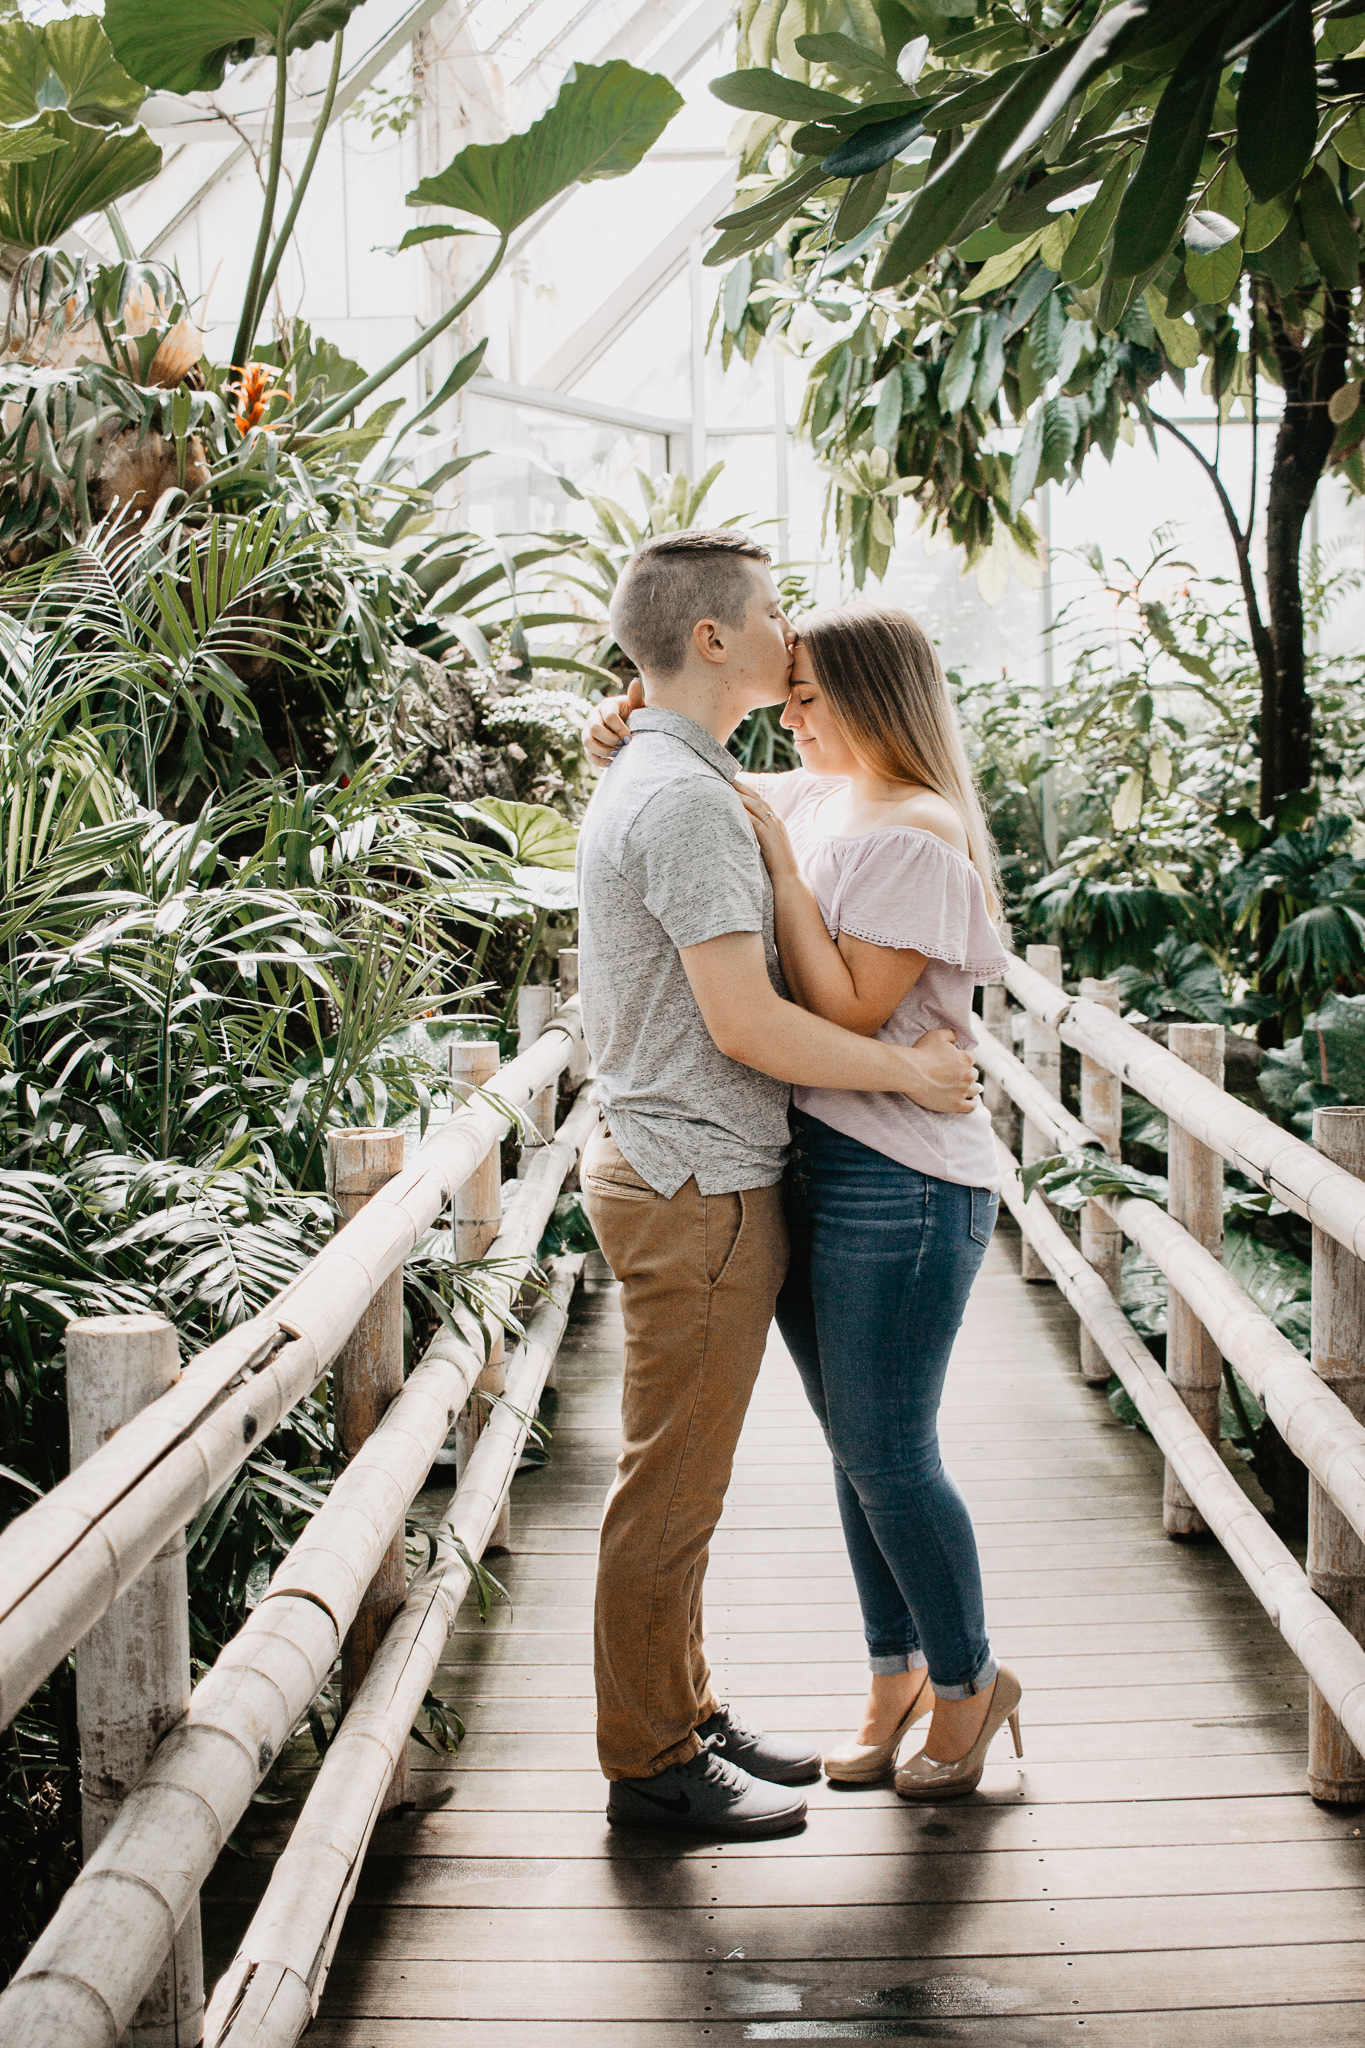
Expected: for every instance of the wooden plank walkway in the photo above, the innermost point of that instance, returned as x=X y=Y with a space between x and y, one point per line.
x=1152 y=1873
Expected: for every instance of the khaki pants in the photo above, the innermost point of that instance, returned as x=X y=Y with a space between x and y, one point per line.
x=699 y=1277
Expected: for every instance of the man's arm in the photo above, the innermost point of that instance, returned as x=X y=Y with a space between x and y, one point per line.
x=751 y=1023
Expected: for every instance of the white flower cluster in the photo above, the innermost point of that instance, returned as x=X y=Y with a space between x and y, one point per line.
x=553 y=718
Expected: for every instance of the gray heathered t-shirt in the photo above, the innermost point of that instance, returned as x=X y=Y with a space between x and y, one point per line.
x=667 y=858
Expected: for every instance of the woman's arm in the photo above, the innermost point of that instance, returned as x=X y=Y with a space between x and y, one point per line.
x=851 y=982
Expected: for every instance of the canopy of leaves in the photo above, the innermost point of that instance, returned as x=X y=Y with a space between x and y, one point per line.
x=173 y=47
x=1024 y=220
x=604 y=119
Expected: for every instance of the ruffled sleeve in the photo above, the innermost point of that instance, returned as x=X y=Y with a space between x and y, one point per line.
x=909 y=890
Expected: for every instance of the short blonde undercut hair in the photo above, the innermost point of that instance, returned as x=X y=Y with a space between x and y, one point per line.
x=671 y=583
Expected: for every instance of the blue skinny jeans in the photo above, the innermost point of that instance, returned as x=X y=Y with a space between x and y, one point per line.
x=882 y=1261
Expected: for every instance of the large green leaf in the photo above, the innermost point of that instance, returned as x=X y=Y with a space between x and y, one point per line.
x=1277 y=105
x=605 y=118
x=1326 y=224
x=187 y=45
x=964 y=178
x=88 y=168
x=539 y=837
x=1153 y=207
x=68 y=64
x=760 y=91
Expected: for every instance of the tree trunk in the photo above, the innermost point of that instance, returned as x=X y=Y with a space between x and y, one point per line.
x=1310 y=375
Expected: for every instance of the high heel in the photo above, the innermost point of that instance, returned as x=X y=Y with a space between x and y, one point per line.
x=862 y=1763
x=922 y=1778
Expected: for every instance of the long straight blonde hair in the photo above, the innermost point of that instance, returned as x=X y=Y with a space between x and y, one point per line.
x=888 y=697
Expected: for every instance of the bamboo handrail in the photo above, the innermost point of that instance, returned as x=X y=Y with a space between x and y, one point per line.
x=68 y=1558
x=1316 y=1424
x=83 y=1979
x=1297 y=1175
x=1323 y=1645
x=271 y=1990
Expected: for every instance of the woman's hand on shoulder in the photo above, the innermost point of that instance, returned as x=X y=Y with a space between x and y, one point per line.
x=608 y=726
x=770 y=832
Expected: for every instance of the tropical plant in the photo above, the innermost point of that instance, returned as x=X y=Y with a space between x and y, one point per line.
x=1057 y=213
x=1124 y=803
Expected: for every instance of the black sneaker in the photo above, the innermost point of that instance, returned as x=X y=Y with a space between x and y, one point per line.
x=708 y=1796
x=780 y=1759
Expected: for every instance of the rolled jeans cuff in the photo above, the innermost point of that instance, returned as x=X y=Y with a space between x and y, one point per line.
x=980 y=1681
x=901 y=1660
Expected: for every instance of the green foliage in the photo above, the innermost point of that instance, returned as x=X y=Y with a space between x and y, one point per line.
x=604 y=119
x=1159 y=865
x=1323 y=1068
x=174 y=48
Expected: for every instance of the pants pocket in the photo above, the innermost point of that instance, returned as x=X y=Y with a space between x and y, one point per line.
x=724 y=1226
x=608 y=1174
x=985 y=1209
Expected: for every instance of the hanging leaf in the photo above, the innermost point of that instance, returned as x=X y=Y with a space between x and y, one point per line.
x=86 y=168
x=842 y=53
x=1213 y=278
x=1024 y=474
x=1177 y=337
x=1227 y=192
x=1327 y=227
x=1127 y=806
x=1265 y=224
x=1349 y=141
x=990 y=369
x=999 y=270
x=1153 y=206
x=967 y=174
x=1277 y=105
x=959 y=371
x=873 y=146
x=605 y=117
x=861 y=203
x=1093 y=224
x=1206 y=231
x=886 y=420
x=178 y=47
x=734 y=297
x=760 y=91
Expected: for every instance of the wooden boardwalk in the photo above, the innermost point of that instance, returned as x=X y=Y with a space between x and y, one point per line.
x=1152 y=1873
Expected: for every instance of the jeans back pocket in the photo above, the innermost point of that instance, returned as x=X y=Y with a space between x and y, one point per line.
x=985 y=1209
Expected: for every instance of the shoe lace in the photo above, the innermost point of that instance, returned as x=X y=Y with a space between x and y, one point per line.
x=732 y=1725
x=707 y=1766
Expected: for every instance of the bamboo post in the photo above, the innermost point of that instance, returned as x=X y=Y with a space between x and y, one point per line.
x=995 y=1016
x=478 y=1219
x=1043 y=1059
x=567 y=964
x=1101 y=1239
x=367 y=1375
x=1194 y=1364
x=1336 y=1555
x=535 y=1008
x=133 y=1667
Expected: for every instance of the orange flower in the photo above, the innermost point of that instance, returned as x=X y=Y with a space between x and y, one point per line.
x=253 y=392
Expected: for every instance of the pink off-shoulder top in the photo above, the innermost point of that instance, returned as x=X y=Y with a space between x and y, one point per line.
x=901 y=887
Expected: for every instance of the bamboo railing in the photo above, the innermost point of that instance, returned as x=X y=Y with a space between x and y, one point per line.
x=1317 y=1405
x=119 y=1959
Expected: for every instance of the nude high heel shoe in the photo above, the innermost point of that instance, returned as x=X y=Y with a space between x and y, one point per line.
x=862 y=1763
x=922 y=1778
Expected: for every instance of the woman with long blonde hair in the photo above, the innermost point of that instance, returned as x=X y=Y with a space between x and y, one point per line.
x=885 y=896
